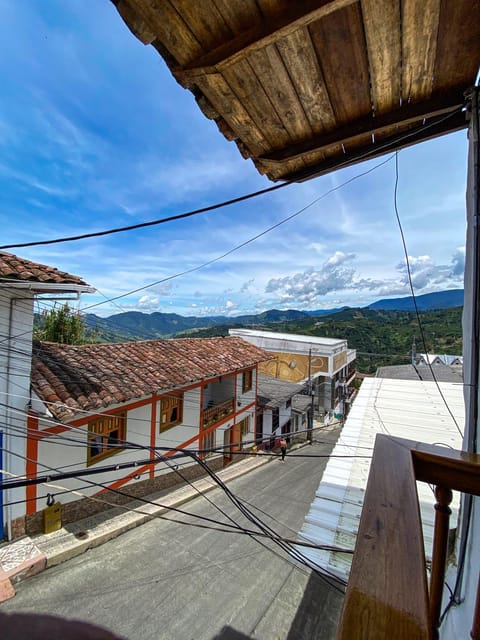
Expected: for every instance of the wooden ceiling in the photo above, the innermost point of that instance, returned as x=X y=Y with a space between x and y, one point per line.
x=306 y=87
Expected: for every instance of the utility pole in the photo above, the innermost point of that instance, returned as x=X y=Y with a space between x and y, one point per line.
x=312 y=396
x=414 y=349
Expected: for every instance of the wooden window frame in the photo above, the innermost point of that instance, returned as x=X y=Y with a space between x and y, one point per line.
x=168 y=406
x=99 y=434
x=247 y=380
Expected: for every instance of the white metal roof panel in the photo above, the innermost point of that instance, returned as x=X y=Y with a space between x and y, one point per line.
x=412 y=409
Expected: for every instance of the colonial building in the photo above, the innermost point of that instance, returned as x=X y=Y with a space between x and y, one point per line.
x=127 y=410
x=140 y=411
x=325 y=365
x=21 y=283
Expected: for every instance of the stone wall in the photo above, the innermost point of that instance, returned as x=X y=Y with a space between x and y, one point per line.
x=85 y=507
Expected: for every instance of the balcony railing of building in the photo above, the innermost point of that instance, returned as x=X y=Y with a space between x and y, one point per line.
x=388 y=593
x=217 y=412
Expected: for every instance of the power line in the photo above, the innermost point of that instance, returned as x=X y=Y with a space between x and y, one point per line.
x=410 y=282
x=243 y=244
x=152 y=223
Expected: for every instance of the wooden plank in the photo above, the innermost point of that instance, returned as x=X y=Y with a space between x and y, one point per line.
x=387 y=595
x=135 y=22
x=226 y=103
x=240 y=16
x=205 y=21
x=419 y=38
x=248 y=89
x=341 y=48
x=458 y=47
x=269 y=31
x=301 y=61
x=275 y=80
x=356 y=130
x=382 y=30
x=170 y=29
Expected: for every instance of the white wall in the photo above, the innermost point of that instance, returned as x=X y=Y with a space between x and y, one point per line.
x=16 y=322
x=68 y=451
x=458 y=621
x=248 y=397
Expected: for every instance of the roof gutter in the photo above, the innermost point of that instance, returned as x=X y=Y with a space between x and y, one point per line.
x=46 y=287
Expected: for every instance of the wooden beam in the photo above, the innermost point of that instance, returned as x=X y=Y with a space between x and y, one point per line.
x=408 y=114
x=258 y=37
x=364 y=152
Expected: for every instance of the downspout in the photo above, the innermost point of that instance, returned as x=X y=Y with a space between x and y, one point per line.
x=6 y=439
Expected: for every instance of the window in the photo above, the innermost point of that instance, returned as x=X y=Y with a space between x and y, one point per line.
x=171 y=412
x=106 y=436
x=247 y=380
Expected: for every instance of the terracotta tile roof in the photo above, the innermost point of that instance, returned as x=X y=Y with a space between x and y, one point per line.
x=92 y=377
x=15 y=268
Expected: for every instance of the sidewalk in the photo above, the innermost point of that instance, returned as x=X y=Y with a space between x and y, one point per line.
x=28 y=556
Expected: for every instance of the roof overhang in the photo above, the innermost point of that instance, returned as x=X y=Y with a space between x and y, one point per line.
x=38 y=288
x=307 y=87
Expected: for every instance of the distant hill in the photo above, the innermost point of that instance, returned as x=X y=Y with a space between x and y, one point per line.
x=144 y=326
x=425 y=302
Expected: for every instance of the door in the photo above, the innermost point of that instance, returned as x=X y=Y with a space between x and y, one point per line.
x=227 y=450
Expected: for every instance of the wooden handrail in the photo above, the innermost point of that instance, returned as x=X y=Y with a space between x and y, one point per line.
x=387 y=594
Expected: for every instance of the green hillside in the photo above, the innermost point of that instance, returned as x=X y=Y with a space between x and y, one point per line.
x=380 y=337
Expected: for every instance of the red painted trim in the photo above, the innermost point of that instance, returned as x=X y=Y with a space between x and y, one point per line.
x=153 y=431
x=122 y=481
x=31 y=463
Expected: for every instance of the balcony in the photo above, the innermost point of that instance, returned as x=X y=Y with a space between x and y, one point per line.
x=389 y=594
x=218 y=412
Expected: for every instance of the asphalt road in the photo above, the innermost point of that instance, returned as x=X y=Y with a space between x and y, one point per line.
x=171 y=580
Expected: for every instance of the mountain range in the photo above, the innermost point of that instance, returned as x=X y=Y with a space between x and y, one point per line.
x=135 y=324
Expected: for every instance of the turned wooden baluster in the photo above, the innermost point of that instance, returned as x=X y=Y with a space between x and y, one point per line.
x=439 y=555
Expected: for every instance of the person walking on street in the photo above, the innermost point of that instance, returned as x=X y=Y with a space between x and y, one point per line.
x=283 y=448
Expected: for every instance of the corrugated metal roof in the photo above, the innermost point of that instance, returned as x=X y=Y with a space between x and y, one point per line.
x=442 y=372
x=409 y=409
x=272 y=392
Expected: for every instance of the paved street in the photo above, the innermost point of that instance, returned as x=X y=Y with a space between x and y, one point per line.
x=170 y=580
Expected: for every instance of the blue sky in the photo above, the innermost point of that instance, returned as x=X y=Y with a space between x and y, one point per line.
x=95 y=133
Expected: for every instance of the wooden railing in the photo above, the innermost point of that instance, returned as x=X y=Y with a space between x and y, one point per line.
x=218 y=412
x=388 y=596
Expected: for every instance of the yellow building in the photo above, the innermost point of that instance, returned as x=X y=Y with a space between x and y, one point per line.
x=324 y=365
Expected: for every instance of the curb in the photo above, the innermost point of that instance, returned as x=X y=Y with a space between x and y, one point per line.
x=29 y=556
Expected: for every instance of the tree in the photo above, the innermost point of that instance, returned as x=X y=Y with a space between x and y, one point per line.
x=62 y=324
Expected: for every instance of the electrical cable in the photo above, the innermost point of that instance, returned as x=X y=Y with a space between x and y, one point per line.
x=243 y=244
x=363 y=156
x=410 y=281
x=151 y=223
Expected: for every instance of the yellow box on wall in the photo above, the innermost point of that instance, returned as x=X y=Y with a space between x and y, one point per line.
x=52 y=518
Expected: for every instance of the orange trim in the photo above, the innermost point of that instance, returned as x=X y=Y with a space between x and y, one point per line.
x=153 y=429
x=122 y=481
x=200 y=418
x=31 y=463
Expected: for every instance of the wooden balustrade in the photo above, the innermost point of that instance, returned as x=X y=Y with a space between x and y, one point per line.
x=218 y=412
x=387 y=594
